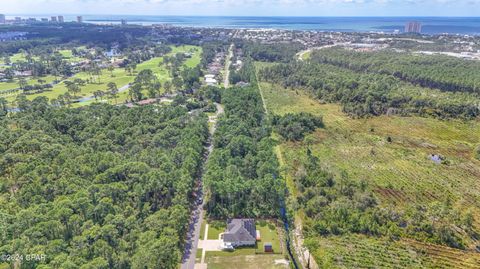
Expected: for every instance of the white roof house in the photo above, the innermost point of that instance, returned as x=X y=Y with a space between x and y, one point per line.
x=210 y=80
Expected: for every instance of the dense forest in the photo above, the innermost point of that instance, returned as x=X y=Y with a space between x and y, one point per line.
x=242 y=177
x=98 y=187
x=438 y=72
x=371 y=93
x=279 y=52
x=102 y=36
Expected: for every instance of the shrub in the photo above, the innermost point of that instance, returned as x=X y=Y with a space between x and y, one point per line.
x=294 y=126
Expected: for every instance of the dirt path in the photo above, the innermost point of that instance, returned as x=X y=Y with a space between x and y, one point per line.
x=193 y=235
x=261 y=95
x=302 y=253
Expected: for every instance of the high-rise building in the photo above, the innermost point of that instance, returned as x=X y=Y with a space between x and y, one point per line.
x=18 y=20
x=413 y=27
x=79 y=19
x=61 y=19
x=2 y=19
x=44 y=19
x=124 y=22
x=54 y=19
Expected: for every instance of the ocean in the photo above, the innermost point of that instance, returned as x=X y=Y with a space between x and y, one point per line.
x=430 y=25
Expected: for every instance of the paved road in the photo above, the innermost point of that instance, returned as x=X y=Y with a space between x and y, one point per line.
x=226 y=83
x=193 y=235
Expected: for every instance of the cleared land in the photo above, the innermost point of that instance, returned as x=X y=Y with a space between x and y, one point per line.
x=400 y=172
x=356 y=251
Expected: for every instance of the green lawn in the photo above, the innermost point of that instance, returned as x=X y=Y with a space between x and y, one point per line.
x=237 y=252
x=14 y=58
x=202 y=229
x=268 y=234
x=68 y=55
x=198 y=255
x=30 y=81
x=247 y=261
x=120 y=77
x=196 y=51
x=214 y=230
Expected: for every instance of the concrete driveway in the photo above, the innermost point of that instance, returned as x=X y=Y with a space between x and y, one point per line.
x=210 y=245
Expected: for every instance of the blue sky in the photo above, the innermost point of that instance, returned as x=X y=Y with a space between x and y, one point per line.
x=246 y=7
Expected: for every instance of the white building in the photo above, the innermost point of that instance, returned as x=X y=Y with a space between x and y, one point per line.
x=210 y=80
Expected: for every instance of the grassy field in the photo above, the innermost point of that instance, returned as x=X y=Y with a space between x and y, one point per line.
x=357 y=251
x=120 y=77
x=30 y=81
x=68 y=55
x=268 y=234
x=399 y=172
x=17 y=57
x=198 y=255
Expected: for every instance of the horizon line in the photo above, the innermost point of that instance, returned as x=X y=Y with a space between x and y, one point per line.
x=247 y=16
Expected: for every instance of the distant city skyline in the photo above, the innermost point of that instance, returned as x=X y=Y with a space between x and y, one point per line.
x=464 y=8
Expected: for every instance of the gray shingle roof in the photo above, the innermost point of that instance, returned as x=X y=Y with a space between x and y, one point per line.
x=240 y=230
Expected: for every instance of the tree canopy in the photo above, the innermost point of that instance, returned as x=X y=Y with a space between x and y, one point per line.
x=98 y=187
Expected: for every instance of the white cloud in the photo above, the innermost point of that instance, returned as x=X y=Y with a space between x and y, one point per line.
x=246 y=7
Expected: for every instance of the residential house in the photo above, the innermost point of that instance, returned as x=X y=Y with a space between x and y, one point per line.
x=240 y=232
